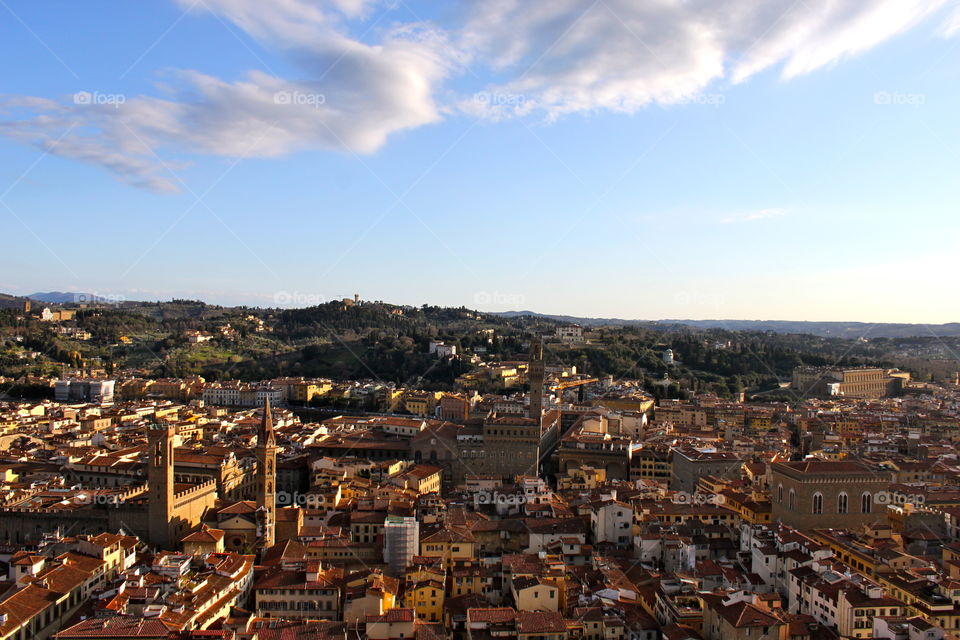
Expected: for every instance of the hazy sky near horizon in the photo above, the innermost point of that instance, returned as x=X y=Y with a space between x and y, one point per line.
x=610 y=158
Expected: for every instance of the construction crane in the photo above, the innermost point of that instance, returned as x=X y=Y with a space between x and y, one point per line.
x=563 y=385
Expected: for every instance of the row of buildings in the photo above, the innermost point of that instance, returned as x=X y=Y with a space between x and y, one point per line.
x=545 y=516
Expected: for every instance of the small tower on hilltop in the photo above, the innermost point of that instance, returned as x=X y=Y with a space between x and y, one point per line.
x=266 y=453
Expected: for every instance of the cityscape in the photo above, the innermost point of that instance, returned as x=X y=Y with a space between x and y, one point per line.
x=541 y=320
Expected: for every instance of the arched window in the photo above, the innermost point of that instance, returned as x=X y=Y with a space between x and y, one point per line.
x=818 y=502
x=866 y=502
x=780 y=494
x=843 y=503
x=792 y=500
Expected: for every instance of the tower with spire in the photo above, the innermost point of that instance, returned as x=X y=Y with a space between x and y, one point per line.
x=266 y=453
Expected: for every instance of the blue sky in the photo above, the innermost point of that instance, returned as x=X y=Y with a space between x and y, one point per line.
x=647 y=160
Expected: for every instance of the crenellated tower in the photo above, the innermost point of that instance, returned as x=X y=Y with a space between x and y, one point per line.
x=160 y=486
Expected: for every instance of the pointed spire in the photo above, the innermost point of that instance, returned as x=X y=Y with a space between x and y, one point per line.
x=266 y=424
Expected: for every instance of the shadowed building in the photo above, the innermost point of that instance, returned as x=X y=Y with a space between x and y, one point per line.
x=594 y=441
x=689 y=465
x=816 y=493
x=174 y=510
x=849 y=382
x=535 y=372
x=160 y=481
x=512 y=446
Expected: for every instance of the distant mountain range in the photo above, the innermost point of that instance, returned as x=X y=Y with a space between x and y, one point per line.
x=50 y=297
x=850 y=330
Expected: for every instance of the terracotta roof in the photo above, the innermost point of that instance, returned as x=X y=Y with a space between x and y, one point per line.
x=540 y=622
x=493 y=615
x=241 y=507
x=816 y=465
x=116 y=627
x=205 y=535
x=393 y=615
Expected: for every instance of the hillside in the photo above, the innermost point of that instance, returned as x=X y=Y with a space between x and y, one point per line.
x=390 y=343
x=850 y=330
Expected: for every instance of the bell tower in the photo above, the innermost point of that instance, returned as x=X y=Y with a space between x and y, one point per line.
x=160 y=485
x=267 y=474
x=535 y=378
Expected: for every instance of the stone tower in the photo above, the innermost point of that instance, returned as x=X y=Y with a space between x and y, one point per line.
x=267 y=474
x=160 y=480
x=535 y=378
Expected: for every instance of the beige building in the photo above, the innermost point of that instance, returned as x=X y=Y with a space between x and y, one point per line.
x=740 y=616
x=292 y=594
x=858 y=382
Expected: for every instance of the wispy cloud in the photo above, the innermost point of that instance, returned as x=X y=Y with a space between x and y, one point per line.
x=568 y=56
x=763 y=214
x=349 y=96
x=359 y=81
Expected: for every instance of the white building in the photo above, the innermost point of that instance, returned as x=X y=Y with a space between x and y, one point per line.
x=612 y=522
x=570 y=334
x=237 y=395
x=401 y=537
x=442 y=349
x=84 y=390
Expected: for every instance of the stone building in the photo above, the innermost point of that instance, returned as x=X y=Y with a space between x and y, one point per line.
x=689 y=465
x=816 y=493
x=850 y=382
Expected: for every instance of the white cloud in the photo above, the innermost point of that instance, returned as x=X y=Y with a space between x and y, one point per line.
x=569 y=55
x=353 y=91
x=952 y=25
x=351 y=97
x=762 y=214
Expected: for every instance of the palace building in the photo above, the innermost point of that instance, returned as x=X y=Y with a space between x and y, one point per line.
x=828 y=494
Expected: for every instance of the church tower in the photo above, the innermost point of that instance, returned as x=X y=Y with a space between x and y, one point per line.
x=160 y=485
x=267 y=474
x=535 y=378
